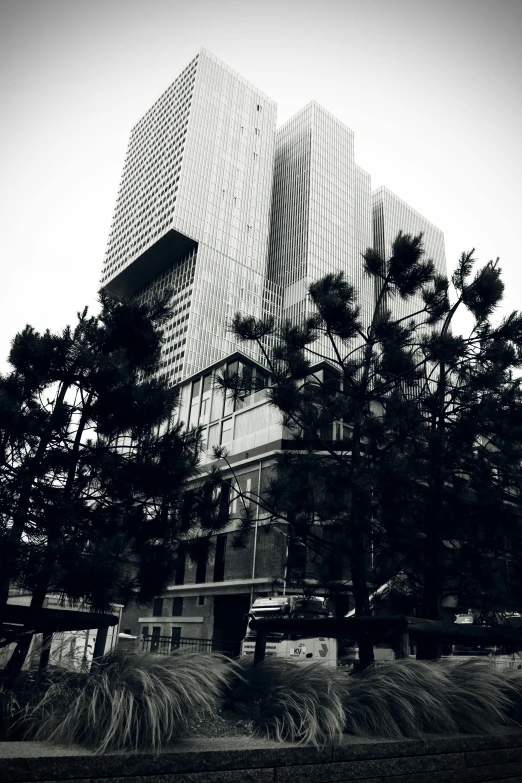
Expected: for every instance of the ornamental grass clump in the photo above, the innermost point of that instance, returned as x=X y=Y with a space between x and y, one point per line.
x=310 y=703
x=414 y=698
x=393 y=700
x=487 y=697
x=301 y=703
x=130 y=701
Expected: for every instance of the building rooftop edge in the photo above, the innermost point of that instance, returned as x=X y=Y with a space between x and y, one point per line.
x=209 y=54
x=204 y=50
x=229 y=357
x=313 y=104
x=384 y=189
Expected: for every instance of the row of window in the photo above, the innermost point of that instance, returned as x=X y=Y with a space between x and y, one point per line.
x=139 y=190
x=206 y=406
x=201 y=565
x=168 y=607
x=162 y=146
x=180 y=88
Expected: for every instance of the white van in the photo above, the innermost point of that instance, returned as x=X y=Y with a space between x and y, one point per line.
x=293 y=646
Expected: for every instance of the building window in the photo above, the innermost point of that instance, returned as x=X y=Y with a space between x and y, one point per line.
x=201 y=600
x=194 y=403
x=226 y=431
x=157 y=609
x=219 y=563
x=204 y=412
x=207 y=383
x=201 y=567
x=224 y=501
x=145 y=630
x=179 y=579
x=261 y=380
x=241 y=498
x=228 y=404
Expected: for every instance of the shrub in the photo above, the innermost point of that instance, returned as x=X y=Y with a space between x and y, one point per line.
x=413 y=698
x=310 y=703
x=300 y=703
x=486 y=696
x=142 y=701
x=129 y=701
x=9 y=707
x=27 y=687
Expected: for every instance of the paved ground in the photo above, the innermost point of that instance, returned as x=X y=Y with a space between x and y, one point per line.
x=31 y=750
x=17 y=750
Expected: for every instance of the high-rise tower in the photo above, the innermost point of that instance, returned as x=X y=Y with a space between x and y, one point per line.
x=195 y=213
x=321 y=213
x=234 y=217
x=391 y=215
x=193 y=209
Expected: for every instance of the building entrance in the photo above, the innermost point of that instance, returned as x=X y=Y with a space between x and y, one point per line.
x=230 y=622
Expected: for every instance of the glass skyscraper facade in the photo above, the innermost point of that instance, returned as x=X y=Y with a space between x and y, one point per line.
x=321 y=211
x=232 y=215
x=391 y=215
x=193 y=210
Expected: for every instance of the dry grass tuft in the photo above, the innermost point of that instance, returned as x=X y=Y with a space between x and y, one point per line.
x=485 y=697
x=414 y=698
x=143 y=701
x=309 y=703
x=130 y=701
x=399 y=699
x=290 y=701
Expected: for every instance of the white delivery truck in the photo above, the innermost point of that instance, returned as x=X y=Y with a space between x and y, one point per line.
x=294 y=646
x=297 y=647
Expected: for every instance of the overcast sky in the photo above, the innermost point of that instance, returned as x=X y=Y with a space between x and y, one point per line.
x=432 y=91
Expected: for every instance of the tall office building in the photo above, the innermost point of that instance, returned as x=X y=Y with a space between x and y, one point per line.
x=231 y=215
x=234 y=216
x=391 y=215
x=193 y=210
x=321 y=213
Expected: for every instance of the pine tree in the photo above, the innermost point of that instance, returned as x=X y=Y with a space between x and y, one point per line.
x=392 y=421
x=93 y=503
x=466 y=466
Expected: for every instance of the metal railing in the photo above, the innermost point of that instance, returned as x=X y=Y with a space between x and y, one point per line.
x=163 y=645
x=398 y=628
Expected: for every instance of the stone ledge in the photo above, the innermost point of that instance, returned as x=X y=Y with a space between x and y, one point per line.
x=437 y=759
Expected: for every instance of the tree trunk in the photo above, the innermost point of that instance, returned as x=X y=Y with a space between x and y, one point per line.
x=99 y=645
x=46 y=651
x=362 y=609
x=16 y=661
x=8 y=557
x=433 y=546
x=10 y=550
x=426 y=649
x=366 y=655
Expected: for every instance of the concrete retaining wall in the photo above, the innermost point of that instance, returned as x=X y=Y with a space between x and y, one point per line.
x=454 y=759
